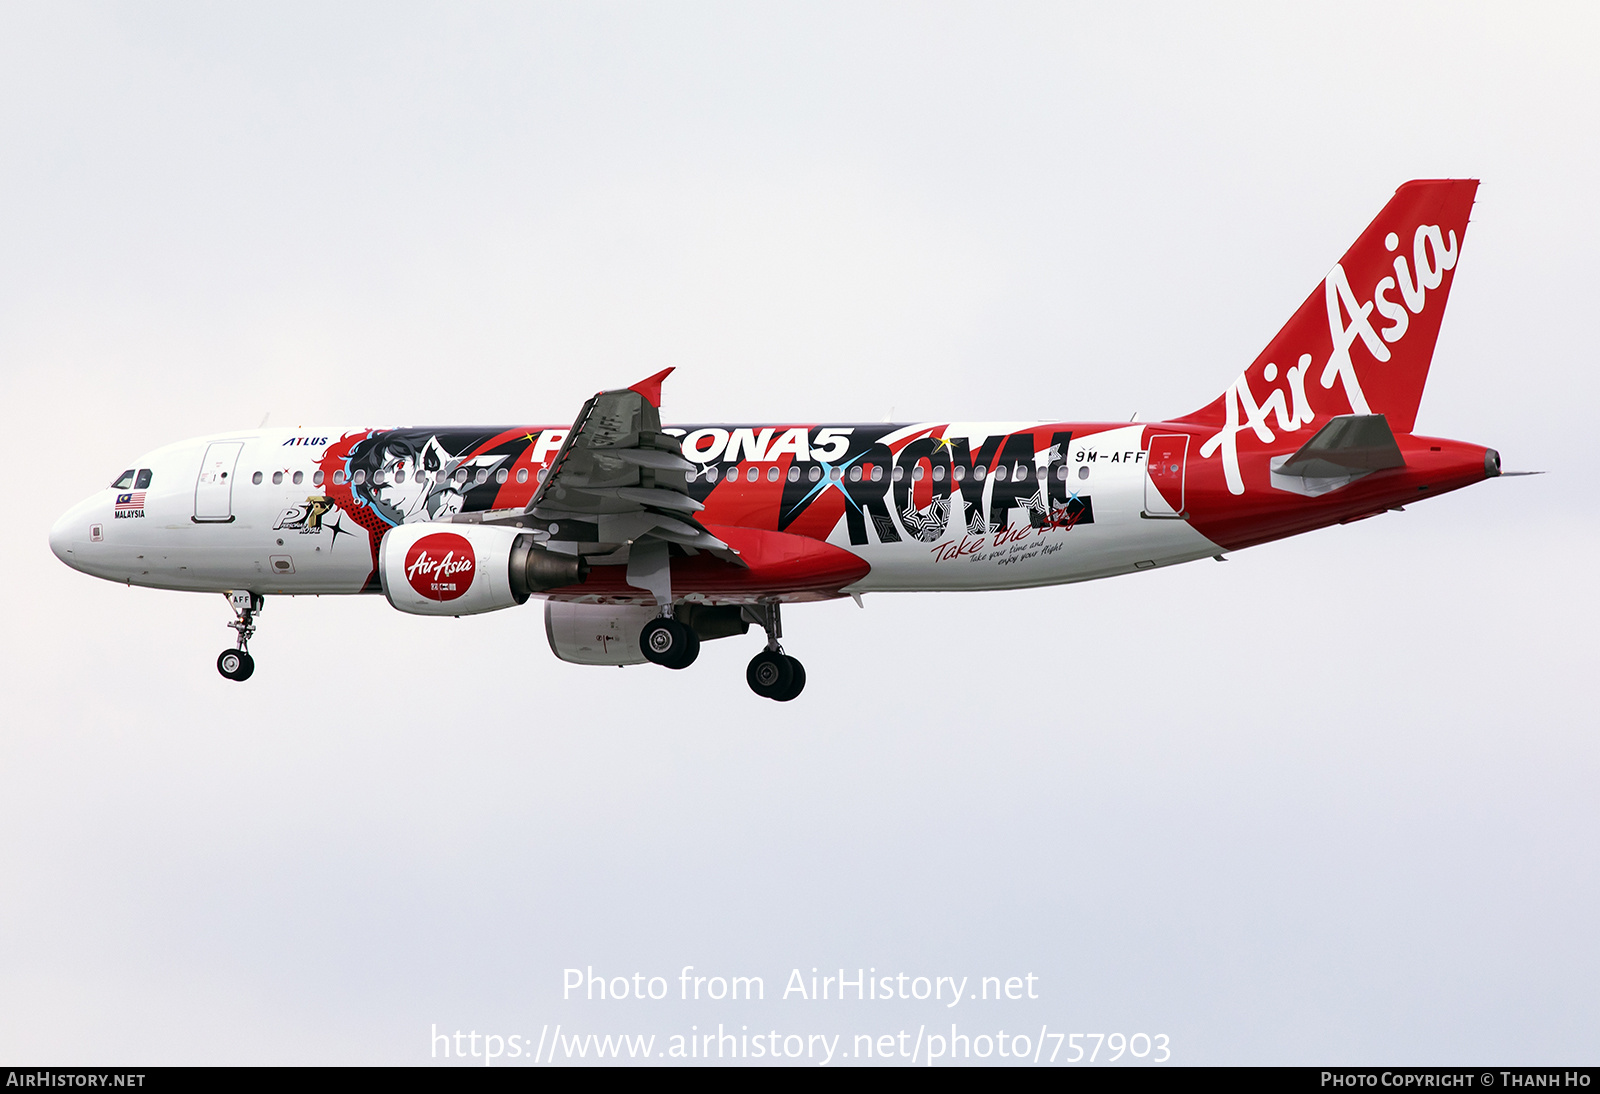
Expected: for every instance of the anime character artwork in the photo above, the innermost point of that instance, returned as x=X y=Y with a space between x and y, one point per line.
x=414 y=475
x=390 y=477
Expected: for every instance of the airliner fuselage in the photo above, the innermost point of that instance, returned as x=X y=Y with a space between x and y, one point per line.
x=961 y=506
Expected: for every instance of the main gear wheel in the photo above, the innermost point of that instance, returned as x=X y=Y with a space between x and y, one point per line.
x=775 y=675
x=667 y=642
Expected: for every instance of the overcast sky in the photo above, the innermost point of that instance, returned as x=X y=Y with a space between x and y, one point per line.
x=1333 y=801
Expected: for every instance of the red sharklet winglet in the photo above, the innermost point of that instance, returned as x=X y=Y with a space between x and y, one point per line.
x=651 y=388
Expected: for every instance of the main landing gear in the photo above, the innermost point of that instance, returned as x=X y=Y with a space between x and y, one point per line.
x=773 y=674
x=665 y=641
x=237 y=664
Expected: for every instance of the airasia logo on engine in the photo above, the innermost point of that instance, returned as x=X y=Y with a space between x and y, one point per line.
x=441 y=566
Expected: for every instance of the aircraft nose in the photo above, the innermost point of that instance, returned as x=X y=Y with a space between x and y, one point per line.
x=58 y=542
x=70 y=532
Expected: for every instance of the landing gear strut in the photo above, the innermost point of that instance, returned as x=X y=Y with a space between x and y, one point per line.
x=237 y=664
x=773 y=674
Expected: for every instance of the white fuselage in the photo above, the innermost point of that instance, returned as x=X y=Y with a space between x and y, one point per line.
x=257 y=524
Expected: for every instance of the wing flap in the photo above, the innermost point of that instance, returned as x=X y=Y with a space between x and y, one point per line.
x=656 y=458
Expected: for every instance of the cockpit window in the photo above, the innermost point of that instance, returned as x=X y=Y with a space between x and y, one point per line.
x=143 y=481
x=124 y=480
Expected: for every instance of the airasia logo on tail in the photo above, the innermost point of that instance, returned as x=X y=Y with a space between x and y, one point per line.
x=1288 y=403
x=441 y=566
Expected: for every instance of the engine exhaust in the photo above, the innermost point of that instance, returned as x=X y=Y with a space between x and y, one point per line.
x=534 y=569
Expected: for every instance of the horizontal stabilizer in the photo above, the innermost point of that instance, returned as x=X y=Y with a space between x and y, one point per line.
x=1348 y=447
x=1348 y=443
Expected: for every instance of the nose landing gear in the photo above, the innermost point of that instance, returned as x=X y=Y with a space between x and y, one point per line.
x=773 y=674
x=237 y=664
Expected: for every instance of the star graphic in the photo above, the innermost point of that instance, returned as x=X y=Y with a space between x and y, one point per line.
x=826 y=482
x=337 y=528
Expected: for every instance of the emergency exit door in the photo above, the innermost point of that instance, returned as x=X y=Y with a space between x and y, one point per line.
x=1164 y=466
x=213 y=491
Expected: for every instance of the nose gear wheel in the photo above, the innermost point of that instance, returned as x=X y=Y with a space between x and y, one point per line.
x=237 y=664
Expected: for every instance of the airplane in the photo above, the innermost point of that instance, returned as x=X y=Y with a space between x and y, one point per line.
x=645 y=540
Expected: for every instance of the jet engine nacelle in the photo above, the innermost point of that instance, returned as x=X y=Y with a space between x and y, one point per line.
x=608 y=634
x=464 y=569
x=596 y=634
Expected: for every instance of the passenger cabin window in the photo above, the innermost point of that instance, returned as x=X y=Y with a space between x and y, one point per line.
x=522 y=474
x=501 y=475
x=316 y=478
x=143 y=481
x=124 y=480
x=277 y=478
x=338 y=478
x=256 y=478
x=299 y=477
x=359 y=477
